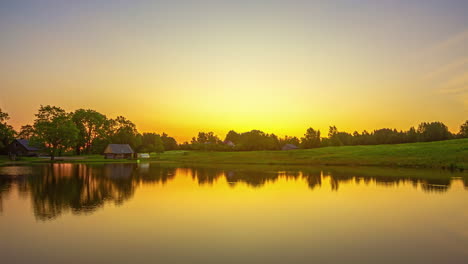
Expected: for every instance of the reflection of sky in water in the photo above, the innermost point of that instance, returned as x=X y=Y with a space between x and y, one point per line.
x=141 y=212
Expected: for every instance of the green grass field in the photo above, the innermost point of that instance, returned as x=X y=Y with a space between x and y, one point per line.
x=449 y=154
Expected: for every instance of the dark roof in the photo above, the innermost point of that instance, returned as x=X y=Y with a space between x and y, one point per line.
x=25 y=144
x=289 y=147
x=118 y=149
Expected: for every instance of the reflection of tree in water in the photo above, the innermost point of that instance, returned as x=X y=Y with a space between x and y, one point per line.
x=205 y=175
x=313 y=179
x=441 y=184
x=15 y=176
x=155 y=173
x=57 y=188
x=79 y=187
x=251 y=178
x=5 y=187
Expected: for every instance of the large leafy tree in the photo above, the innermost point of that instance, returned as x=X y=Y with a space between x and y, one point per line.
x=433 y=131
x=233 y=136
x=151 y=142
x=311 y=138
x=7 y=133
x=91 y=125
x=54 y=130
x=258 y=140
x=169 y=142
x=26 y=132
x=124 y=132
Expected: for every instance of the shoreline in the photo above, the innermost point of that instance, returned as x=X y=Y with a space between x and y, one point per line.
x=448 y=155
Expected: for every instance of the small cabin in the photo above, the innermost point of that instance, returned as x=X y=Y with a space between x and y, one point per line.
x=21 y=147
x=289 y=147
x=229 y=143
x=118 y=151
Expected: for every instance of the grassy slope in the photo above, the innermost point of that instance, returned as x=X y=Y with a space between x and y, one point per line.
x=442 y=154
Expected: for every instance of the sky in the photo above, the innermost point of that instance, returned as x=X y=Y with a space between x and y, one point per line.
x=279 y=66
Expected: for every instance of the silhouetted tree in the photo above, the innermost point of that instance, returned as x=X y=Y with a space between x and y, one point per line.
x=151 y=142
x=433 y=131
x=91 y=125
x=311 y=139
x=26 y=132
x=125 y=132
x=289 y=140
x=169 y=142
x=7 y=133
x=54 y=129
x=233 y=136
x=464 y=130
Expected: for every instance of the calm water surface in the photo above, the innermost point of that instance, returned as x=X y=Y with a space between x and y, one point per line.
x=149 y=213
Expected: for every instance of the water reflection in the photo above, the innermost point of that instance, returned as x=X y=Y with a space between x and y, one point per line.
x=79 y=188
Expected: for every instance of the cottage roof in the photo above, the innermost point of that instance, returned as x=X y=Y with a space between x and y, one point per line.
x=289 y=147
x=25 y=144
x=118 y=149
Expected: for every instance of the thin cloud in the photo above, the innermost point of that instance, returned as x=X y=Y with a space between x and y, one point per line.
x=456 y=85
x=447 y=68
x=446 y=44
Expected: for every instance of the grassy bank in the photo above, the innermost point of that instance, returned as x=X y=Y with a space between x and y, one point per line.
x=449 y=154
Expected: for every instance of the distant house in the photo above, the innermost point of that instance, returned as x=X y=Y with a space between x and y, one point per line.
x=21 y=147
x=118 y=151
x=289 y=147
x=229 y=143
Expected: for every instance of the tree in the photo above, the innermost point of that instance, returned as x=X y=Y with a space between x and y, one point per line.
x=91 y=125
x=464 y=130
x=333 y=137
x=151 y=142
x=289 y=140
x=169 y=142
x=26 y=132
x=433 y=131
x=233 y=136
x=7 y=133
x=125 y=132
x=206 y=141
x=257 y=140
x=54 y=129
x=411 y=135
x=311 y=139
x=206 y=138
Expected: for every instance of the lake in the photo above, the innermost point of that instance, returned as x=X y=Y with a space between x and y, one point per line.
x=153 y=213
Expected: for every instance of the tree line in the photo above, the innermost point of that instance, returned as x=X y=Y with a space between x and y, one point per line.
x=259 y=140
x=83 y=131
x=87 y=131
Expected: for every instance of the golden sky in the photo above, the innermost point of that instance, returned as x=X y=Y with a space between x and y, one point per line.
x=278 y=66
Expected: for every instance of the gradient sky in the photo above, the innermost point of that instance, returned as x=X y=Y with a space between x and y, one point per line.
x=279 y=66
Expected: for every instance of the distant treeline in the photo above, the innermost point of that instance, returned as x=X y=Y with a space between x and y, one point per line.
x=87 y=131
x=258 y=140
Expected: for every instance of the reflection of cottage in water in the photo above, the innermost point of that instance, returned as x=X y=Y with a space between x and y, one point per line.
x=118 y=151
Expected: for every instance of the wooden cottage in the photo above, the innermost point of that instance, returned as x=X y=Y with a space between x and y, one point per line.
x=118 y=151
x=21 y=147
